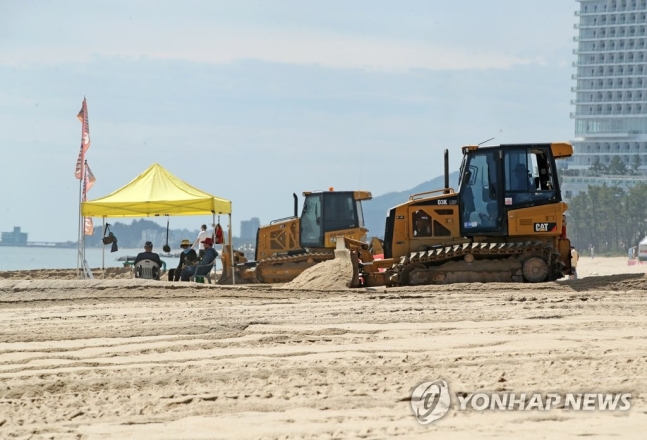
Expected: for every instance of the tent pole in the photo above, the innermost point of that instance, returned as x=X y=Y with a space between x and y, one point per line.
x=231 y=248
x=103 y=248
x=213 y=223
x=85 y=264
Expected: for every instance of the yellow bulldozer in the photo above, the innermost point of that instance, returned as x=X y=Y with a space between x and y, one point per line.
x=288 y=246
x=505 y=223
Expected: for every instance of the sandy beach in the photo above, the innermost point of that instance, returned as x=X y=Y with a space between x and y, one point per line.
x=125 y=358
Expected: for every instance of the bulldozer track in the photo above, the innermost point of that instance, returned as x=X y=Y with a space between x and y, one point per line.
x=490 y=251
x=293 y=265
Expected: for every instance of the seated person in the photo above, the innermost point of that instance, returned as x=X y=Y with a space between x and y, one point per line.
x=187 y=257
x=489 y=219
x=204 y=265
x=521 y=180
x=148 y=254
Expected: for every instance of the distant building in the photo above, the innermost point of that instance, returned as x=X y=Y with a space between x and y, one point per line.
x=15 y=238
x=573 y=185
x=611 y=100
x=249 y=227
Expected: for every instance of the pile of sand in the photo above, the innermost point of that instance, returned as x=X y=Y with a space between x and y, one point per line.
x=333 y=274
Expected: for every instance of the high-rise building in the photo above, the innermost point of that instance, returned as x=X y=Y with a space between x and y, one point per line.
x=611 y=91
x=249 y=227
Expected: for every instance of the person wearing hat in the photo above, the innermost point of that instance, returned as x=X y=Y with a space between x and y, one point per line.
x=521 y=180
x=148 y=254
x=204 y=265
x=187 y=257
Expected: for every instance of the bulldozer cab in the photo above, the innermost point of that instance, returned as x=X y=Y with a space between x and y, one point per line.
x=325 y=212
x=495 y=180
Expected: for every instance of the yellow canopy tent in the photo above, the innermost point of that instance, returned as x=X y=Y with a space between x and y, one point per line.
x=157 y=192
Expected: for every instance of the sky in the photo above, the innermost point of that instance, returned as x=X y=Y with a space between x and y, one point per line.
x=254 y=100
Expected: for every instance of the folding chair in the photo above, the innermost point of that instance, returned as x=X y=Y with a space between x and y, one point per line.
x=148 y=270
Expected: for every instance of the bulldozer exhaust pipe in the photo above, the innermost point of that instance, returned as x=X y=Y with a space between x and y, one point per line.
x=446 y=171
x=296 y=204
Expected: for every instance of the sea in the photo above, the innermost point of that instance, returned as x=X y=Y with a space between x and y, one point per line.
x=29 y=258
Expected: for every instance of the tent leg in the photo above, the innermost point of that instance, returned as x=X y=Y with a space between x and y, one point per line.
x=213 y=237
x=103 y=248
x=233 y=261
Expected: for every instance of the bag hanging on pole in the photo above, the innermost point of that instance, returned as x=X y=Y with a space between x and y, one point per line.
x=109 y=237
x=219 y=236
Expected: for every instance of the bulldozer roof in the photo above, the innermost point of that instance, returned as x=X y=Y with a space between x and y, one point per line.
x=357 y=195
x=559 y=149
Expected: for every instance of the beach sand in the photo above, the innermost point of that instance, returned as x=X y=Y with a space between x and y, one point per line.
x=138 y=359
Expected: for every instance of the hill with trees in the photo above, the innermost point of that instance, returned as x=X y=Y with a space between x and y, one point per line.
x=608 y=217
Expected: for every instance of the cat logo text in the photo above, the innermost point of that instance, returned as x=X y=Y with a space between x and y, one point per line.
x=545 y=227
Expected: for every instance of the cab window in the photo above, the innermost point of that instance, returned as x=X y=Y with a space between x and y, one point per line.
x=421 y=224
x=479 y=199
x=311 y=224
x=339 y=211
x=529 y=176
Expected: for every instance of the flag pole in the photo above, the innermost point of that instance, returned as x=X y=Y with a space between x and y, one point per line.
x=79 y=256
x=80 y=174
x=84 y=189
x=85 y=197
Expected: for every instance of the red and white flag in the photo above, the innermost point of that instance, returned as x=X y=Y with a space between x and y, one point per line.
x=88 y=181
x=85 y=139
x=88 y=226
